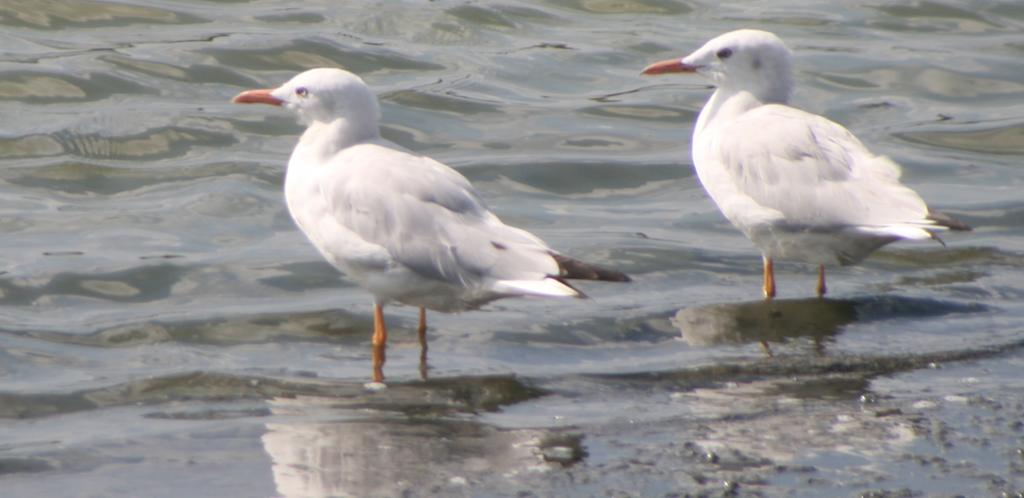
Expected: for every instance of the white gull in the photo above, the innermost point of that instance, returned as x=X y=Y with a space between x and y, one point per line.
x=403 y=226
x=798 y=185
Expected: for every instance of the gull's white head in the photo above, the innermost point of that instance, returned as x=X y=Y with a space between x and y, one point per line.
x=743 y=60
x=321 y=95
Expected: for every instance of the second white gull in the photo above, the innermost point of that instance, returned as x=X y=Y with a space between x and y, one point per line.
x=799 y=186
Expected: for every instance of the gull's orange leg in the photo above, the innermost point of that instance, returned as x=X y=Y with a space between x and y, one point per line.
x=421 y=332
x=821 y=281
x=769 y=278
x=380 y=342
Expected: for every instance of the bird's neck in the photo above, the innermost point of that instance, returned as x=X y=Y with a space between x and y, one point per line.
x=323 y=140
x=729 y=101
x=724 y=105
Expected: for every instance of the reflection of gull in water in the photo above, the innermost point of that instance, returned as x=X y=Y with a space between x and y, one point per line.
x=764 y=321
x=385 y=456
x=779 y=320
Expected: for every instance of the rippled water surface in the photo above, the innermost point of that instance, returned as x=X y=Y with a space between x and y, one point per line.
x=165 y=330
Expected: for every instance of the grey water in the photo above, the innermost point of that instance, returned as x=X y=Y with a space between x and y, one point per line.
x=165 y=330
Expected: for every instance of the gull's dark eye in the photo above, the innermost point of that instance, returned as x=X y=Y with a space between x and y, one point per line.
x=301 y=91
x=724 y=53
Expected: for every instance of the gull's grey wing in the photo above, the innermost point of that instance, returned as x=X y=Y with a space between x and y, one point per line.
x=812 y=171
x=429 y=218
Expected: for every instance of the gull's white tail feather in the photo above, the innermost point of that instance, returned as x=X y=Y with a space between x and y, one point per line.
x=547 y=287
x=910 y=232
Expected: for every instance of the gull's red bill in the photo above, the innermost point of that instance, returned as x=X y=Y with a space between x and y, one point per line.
x=261 y=96
x=669 y=66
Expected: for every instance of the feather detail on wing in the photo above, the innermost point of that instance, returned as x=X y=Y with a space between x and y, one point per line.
x=802 y=169
x=945 y=220
x=429 y=218
x=575 y=269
